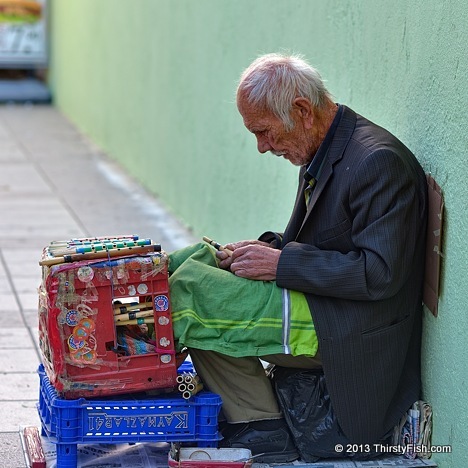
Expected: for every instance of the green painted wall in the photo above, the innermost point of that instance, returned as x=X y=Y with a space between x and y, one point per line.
x=152 y=82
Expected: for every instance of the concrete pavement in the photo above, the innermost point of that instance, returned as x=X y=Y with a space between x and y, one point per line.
x=54 y=184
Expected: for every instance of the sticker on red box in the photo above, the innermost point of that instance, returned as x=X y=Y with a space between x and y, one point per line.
x=161 y=303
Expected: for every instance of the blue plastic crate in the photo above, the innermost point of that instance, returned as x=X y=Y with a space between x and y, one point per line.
x=167 y=418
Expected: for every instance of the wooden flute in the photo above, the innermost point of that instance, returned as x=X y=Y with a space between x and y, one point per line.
x=217 y=246
x=101 y=254
x=125 y=308
x=89 y=240
x=189 y=393
x=132 y=315
x=138 y=321
x=98 y=247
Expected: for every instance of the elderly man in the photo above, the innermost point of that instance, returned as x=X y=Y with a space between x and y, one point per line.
x=354 y=246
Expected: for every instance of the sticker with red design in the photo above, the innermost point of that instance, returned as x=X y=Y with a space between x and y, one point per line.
x=161 y=303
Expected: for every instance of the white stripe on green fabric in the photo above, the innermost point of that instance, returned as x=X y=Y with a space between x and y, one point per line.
x=286 y=321
x=302 y=339
x=227 y=323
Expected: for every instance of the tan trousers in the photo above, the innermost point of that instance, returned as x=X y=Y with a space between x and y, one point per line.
x=245 y=389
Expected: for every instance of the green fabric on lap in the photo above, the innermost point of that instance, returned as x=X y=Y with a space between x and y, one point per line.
x=212 y=309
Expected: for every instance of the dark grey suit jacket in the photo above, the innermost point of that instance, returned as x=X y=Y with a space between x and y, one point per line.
x=358 y=254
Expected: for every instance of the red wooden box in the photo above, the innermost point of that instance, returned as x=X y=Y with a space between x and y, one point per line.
x=89 y=348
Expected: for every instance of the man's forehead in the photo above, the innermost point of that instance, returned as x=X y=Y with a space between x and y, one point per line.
x=256 y=121
x=254 y=115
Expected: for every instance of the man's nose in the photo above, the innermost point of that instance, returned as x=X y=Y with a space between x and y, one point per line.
x=263 y=145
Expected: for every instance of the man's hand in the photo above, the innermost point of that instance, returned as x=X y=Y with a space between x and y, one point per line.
x=251 y=259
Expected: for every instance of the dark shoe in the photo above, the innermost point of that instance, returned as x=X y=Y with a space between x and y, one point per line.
x=267 y=446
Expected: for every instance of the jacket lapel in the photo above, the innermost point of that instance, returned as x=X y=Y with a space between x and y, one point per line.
x=337 y=147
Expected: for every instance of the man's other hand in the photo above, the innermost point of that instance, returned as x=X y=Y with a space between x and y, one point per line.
x=251 y=259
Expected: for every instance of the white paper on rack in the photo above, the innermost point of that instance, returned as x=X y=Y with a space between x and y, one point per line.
x=147 y=455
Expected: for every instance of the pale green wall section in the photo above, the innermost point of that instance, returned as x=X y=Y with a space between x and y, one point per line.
x=152 y=82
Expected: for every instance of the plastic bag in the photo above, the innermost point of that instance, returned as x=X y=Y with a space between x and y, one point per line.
x=305 y=402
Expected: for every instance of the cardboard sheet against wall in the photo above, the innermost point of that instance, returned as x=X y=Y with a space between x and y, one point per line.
x=433 y=245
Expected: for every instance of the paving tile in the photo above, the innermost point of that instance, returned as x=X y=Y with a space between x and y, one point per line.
x=37 y=213
x=14 y=360
x=21 y=202
x=19 y=386
x=15 y=338
x=21 y=177
x=31 y=317
x=19 y=413
x=4 y=132
x=40 y=120
x=6 y=143
x=23 y=262
x=59 y=227
x=8 y=303
x=12 y=154
x=23 y=254
x=10 y=319
x=28 y=284
x=28 y=300
x=5 y=286
x=34 y=331
x=11 y=450
x=50 y=230
x=38 y=241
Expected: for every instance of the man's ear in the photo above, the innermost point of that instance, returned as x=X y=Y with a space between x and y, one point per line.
x=305 y=110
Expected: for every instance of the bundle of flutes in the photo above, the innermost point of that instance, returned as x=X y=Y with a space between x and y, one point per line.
x=75 y=246
x=189 y=384
x=133 y=314
x=105 y=253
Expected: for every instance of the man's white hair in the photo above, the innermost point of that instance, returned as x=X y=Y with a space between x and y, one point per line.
x=273 y=81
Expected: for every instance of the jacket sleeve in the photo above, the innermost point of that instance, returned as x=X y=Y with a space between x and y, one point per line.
x=273 y=238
